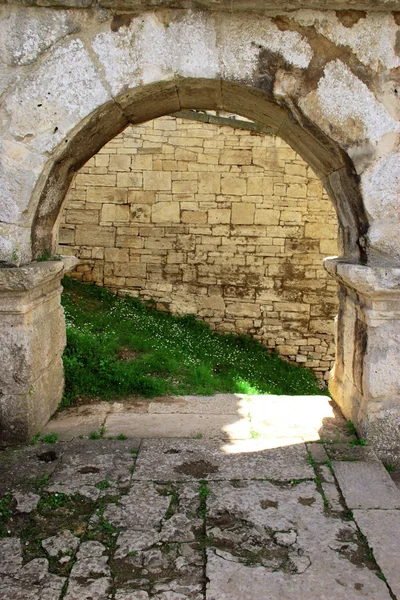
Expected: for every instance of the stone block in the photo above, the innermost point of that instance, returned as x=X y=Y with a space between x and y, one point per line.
x=114 y=212
x=157 y=180
x=130 y=180
x=291 y=216
x=79 y=217
x=233 y=185
x=320 y=231
x=165 y=212
x=184 y=187
x=209 y=183
x=84 y=179
x=192 y=216
x=66 y=235
x=119 y=162
x=235 y=157
x=211 y=302
x=265 y=216
x=243 y=213
x=329 y=247
x=296 y=190
x=255 y=186
x=110 y=195
x=141 y=197
x=91 y=235
x=116 y=255
x=219 y=215
x=129 y=270
x=140 y=213
x=142 y=162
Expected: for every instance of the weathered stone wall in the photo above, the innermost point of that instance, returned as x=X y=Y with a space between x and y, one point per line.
x=220 y=221
x=325 y=81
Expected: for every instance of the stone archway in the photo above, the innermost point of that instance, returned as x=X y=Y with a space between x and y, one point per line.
x=88 y=83
x=325 y=156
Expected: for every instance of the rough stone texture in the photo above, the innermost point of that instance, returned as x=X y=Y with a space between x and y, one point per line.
x=103 y=461
x=382 y=529
x=161 y=538
x=225 y=5
x=32 y=339
x=366 y=485
x=300 y=74
x=364 y=384
x=246 y=553
x=62 y=543
x=225 y=222
x=223 y=416
x=185 y=460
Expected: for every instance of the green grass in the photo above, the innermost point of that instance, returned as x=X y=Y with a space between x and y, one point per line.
x=120 y=346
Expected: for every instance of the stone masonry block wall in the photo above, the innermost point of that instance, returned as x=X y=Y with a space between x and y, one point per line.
x=227 y=223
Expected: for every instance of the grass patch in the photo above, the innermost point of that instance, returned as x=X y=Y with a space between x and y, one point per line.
x=170 y=355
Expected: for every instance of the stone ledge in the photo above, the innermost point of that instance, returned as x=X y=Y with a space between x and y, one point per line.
x=218 y=5
x=371 y=282
x=16 y=279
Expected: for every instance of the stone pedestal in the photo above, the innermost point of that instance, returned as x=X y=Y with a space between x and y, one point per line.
x=365 y=381
x=32 y=339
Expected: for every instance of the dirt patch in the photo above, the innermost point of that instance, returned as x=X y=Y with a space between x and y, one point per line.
x=127 y=354
x=306 y=501
x=89 y=469
x=197 y=468
x=268 y=504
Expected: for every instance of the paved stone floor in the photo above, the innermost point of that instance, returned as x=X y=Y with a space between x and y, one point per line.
x=237 y=498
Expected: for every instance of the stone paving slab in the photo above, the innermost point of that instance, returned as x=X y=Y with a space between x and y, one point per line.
x=177 y=425
x=278 y=542
x=85 y=465
x=185 y=460
x=260 y=518
x=382 y=529
x=229 y=580
x=231 y=416
x=366 y=485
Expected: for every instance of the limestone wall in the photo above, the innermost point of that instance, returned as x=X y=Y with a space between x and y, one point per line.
x=227 y=223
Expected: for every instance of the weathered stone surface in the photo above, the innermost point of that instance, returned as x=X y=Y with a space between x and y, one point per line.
x=366 y=485
x=26 y=502
x=295 y=556
x=262 y=537
x=382 y=529
x=102 y=461
x=32 y=333
x=185 y=460
x=62 y=543
x=11 y=556
x=141 y=509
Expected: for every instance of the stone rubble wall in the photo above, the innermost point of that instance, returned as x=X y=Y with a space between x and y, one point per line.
x=227 y=223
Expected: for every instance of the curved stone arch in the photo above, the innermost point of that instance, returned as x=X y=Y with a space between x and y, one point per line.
x=144 y=103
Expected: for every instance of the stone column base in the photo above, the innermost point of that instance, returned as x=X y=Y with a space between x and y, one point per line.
x=365 y=381
x=32 y=339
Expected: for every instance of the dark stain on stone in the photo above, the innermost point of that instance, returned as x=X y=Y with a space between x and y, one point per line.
x=396 y=17
x=360 y=348
x=348 y=18
x=120 y=21
x=268 y=504
x=49 y=456
x=306 y=501
x=197 y=468
x=89 y=469
x=324 y=51
x=172 y=451
x=268 y=65
x=358 y=586
x=397 y=44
